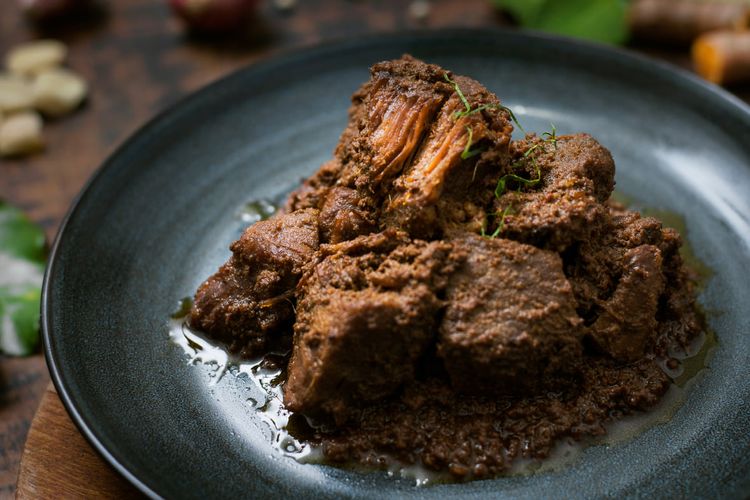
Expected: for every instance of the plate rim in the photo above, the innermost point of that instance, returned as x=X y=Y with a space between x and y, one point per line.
x=644 y=63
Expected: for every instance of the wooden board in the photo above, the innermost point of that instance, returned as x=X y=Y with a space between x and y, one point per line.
x=58 y=462
x=23 y=381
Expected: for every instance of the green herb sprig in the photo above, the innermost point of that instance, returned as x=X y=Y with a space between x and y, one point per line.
x=468 y=152
x=468 y=110
x=461 y=95
x=500 y=188
x=551 y=138
x=500 y=225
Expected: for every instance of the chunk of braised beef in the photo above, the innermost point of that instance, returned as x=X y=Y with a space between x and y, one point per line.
x=248 y=304
x=510 y=326
x=561 y=201
x=345 y=214
x=627 y=323
x=367 y=312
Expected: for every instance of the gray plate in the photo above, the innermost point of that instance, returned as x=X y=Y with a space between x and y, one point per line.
x=158 y=216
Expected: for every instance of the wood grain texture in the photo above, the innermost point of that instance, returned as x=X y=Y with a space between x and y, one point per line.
x=138 y=61
x=59 y=463
x=22 y=381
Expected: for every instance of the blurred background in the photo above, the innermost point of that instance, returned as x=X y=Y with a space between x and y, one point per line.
x=79 y=76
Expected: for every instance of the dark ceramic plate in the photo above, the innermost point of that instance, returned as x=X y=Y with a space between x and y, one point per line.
x=159 y=215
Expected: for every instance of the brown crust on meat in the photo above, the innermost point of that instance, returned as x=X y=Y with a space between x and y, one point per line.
x=412 y=336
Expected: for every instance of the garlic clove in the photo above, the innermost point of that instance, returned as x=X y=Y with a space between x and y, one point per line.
x=21 y=134
x=58 y=91
x=15 y=94
x=33 y=57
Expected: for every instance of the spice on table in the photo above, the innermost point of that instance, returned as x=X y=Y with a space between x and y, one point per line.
x=58 y=91
x=21 y=134
x=214 y=16
x=35 y=81
x=681 y=21
x=723 y=57
x=15 y=94
x=31 y=58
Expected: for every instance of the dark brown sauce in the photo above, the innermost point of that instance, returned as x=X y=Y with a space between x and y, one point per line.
x=290 y=433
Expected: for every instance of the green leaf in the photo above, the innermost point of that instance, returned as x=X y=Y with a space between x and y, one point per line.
x=526 y=12
x=19 y=320
x=20 y=237
x=599 y=20
x=22 y=256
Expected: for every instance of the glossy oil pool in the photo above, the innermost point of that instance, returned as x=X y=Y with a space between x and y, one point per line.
x=268 y=382
x=270 y=409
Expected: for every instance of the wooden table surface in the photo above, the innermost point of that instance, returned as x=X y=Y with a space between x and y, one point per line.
x=138 y=61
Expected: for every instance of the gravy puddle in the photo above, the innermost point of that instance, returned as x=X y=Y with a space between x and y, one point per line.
x=268 y=376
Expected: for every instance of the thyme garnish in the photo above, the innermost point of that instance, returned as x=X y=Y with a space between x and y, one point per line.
x=470 y=111
x=460 y=95
x=551 y=136
x=467 y=152
x=500 y=188
x=500 y=225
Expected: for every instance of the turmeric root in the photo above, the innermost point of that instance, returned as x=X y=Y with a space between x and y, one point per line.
x=723 y=56
x=681 y=21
